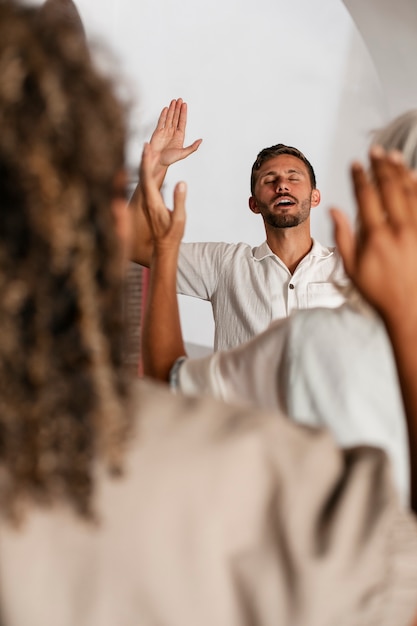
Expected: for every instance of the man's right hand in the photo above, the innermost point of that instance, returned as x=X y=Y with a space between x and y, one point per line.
x=167 y=143
x=168 y=138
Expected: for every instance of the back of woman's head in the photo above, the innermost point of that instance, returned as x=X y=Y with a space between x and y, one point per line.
x=61 y=145
x=400 y=134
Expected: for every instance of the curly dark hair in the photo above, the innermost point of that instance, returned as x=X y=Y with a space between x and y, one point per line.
x=63 y=393
x=274 y=151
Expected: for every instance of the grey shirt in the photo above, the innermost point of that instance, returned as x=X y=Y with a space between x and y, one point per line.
x=323 y=367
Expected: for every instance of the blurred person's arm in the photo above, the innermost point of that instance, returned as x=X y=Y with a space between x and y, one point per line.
x=167 y=143
x=382 y=263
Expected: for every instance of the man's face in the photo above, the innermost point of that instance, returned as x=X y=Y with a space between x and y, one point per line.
x=283 y=194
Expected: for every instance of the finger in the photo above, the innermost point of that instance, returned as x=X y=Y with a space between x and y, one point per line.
x=170 y=113
x=147 y=166
x=155 y=211
x=390 y=179
x=191 y=148
x=177 y=113
x=162 y=119
x=345 y=239
x=148 y=182
x=370 y=211
x=409 y=186
x=144 y=169
x=178 y=214
x=413 y=177
x=182 y=118
x=407 y=181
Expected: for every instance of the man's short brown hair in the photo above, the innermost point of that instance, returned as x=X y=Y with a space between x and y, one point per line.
x=277 y=150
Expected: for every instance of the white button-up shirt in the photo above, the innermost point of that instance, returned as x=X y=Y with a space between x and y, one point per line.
x=250 y=287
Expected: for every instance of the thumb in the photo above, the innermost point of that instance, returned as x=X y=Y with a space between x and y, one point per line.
x=345 y=240
x=191 y=148
x=180 y=194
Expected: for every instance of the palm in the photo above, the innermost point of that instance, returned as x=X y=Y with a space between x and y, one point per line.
x=388 y=251
x=170 y=149
x=382 y=261
x=377 y=265
x=168 y=137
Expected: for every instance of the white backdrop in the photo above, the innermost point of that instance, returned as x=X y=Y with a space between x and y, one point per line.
x=316 y=74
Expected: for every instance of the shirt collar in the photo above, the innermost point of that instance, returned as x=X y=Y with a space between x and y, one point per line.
x=263 y=251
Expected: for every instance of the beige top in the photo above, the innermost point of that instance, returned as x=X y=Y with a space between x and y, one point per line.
x=225 y=517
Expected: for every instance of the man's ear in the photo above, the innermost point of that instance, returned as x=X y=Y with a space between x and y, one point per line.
x=253 y=205
x=315 y=197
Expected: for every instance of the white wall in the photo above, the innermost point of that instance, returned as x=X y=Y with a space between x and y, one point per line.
x=255 y=74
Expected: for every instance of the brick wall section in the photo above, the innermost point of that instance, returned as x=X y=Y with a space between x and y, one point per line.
x=133 y=305
x=135 y=292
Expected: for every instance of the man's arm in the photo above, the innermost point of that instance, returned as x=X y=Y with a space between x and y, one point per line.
x=382 y=263
x=167 y=143
x=162 y=341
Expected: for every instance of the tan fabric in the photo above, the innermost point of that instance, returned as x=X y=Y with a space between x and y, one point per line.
x=224 y=518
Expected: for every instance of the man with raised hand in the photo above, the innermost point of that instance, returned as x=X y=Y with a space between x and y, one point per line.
x=249 y=287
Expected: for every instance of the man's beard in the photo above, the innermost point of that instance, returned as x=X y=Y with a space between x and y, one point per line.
x=287 y=220
x=283 y=221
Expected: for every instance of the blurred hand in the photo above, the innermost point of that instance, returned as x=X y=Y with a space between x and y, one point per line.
x=381 y=259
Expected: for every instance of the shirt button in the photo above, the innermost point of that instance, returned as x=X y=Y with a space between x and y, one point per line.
x=291 y=286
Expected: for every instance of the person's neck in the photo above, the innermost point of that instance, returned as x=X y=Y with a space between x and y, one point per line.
x=291 y=245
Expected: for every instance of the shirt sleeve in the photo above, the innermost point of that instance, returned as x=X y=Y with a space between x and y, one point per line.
x=199 y=267
x=249 y=375
x=174 y=373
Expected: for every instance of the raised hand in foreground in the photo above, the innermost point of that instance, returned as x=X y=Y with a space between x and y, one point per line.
x=382 y=262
